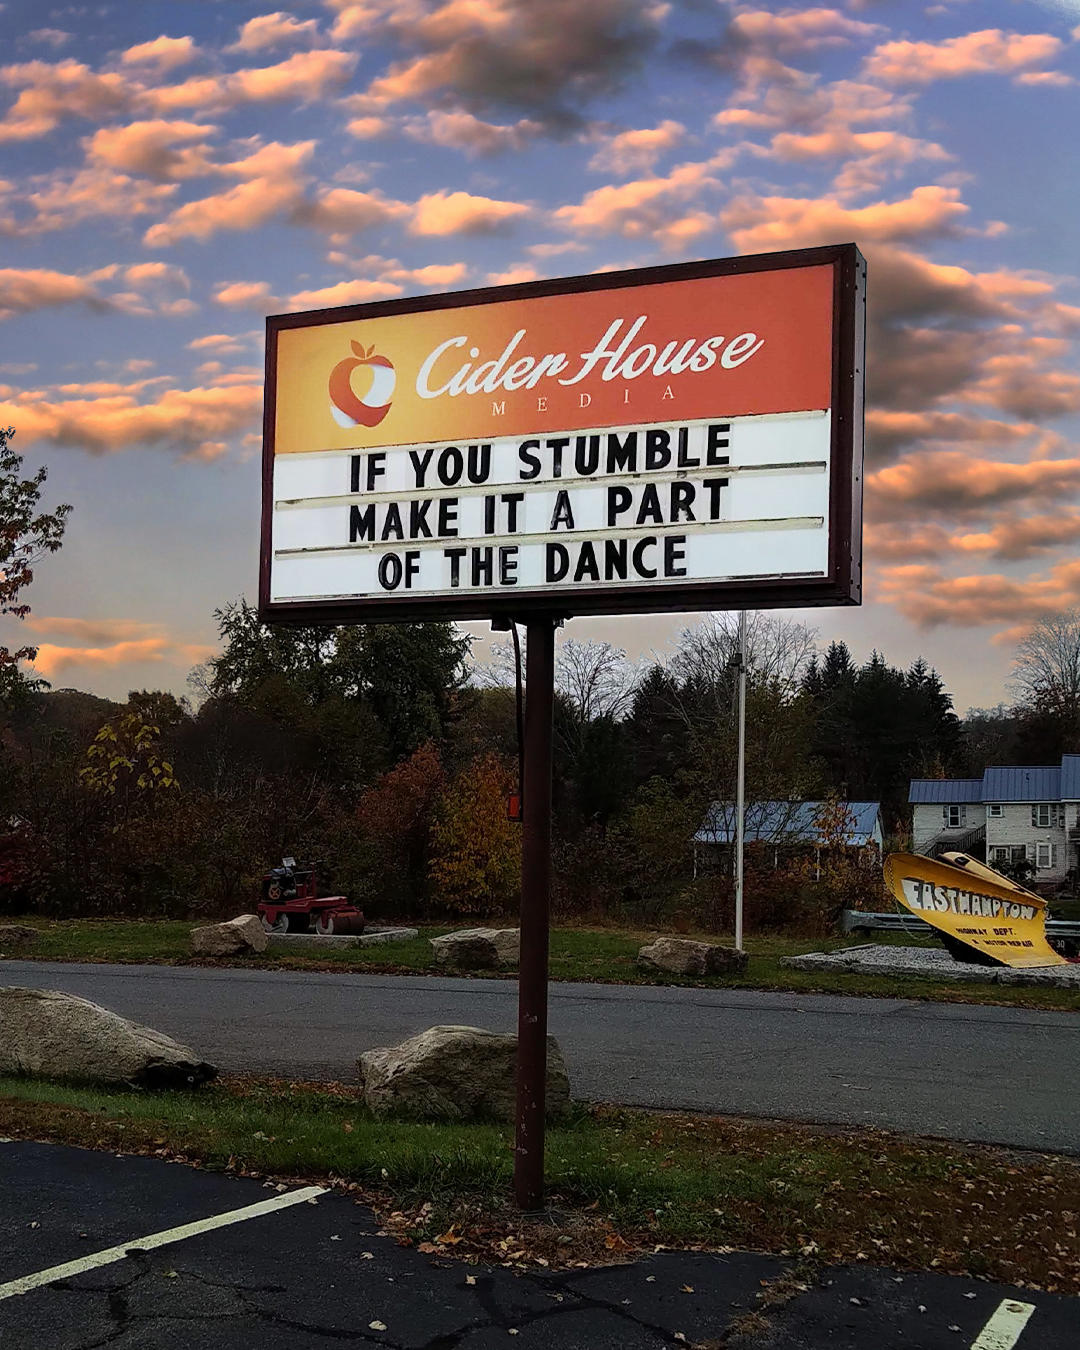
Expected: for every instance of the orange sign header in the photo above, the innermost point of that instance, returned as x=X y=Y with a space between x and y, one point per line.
x=751 y=342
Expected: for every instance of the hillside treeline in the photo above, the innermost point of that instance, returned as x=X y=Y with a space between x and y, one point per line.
x=384 y=752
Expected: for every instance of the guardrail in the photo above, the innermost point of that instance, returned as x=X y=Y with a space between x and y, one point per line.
x=855 y=921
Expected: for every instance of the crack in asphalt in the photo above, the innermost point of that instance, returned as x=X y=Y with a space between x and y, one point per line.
x=118 y=1299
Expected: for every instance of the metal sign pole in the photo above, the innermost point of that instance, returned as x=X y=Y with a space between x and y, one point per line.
x=740 y=786
x=535 y=901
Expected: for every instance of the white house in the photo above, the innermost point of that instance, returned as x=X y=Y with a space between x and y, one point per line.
x=1012 y=812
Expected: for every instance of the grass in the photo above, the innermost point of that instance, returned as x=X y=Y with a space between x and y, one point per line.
x=606 y=955
x=619 y=1181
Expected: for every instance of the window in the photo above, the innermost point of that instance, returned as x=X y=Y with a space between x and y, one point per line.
x=1042 y=815
x=1045 y=856
x=1001 y=854
x=954 y=817
x=996 y=809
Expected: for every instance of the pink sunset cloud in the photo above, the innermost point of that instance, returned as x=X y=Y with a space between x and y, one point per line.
x=988 y=52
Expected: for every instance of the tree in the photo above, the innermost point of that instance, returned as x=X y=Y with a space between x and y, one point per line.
x=406 y=676
x=475 y=848
x=1045 y=676
x=26 y=535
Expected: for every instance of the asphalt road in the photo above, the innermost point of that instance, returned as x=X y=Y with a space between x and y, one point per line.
x=960 y=1071
x=97 y=1249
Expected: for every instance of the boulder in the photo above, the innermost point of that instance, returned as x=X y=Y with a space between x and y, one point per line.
x=684 y=956
x=53 y=1035
x=477 y=948
x=454 y=1073
x=16 y=935
x=242 y=934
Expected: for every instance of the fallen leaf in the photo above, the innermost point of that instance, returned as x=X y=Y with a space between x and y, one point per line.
x=367 y=1256
x=614 y=1243
x=688 y=1288
x=377 y=1326
x=470 y=1279
x=449 y=1238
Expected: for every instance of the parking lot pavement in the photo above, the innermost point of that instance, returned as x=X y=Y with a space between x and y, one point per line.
x=101 y=1250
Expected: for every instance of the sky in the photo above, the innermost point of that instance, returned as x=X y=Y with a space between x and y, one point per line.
x=171 y=173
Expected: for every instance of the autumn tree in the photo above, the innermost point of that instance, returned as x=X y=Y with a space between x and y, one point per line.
x=395 y=816
x=475 y=848
x=26 y=534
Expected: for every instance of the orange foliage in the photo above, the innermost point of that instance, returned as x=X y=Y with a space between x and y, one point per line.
x=475 y=849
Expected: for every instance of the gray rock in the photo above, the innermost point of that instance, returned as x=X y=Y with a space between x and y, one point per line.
x=477 y=948
x=242 y=934
x=17 y=935
x=51 y=1035
x=684 y=956
x=454 y=1073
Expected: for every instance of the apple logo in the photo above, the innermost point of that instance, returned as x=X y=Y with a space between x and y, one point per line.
x=370 y=408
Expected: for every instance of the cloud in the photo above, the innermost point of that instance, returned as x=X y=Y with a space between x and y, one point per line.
x=52 y=91
x=513 y=276
x=53 y=660
x=765 y=223
x=307 y=76
x=23 y=290
x=101 y=632
x=53 y=37
x=67 y=199
x=987 y=52
x=221 y=343
x=463 y=131
x=871 y=155
x=442 y=213
x=931 y=600
x=345 y=211
x=158 y=148
x=165 y=53
x=345 y=293
x=891 y=431
x=194 y=422
x=274 y=30
x=799 y=29
x=368 y=128
x=950 y=483
x=274 y=178
x=548 y=59
x=1050 y=79
x=651 y=207
x=637 y=151
x=254 y=295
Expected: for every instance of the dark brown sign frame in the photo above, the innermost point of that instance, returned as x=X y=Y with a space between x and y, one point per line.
x=841 y=585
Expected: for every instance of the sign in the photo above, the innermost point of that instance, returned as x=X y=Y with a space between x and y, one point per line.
x=975 y=906
x=677 y=438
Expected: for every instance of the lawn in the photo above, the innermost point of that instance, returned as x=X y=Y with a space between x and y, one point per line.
x=605 y=955
x=620 y=1181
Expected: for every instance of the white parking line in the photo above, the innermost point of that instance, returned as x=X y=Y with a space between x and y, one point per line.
x=162 y=1239
x=1006 y=1323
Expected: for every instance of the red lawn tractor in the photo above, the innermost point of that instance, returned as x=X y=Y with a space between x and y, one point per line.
x=290 y=903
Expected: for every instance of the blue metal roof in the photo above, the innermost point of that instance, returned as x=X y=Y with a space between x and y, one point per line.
x=1070 y=778
x=1040 y=783
x=943 y=791
x=783 y=822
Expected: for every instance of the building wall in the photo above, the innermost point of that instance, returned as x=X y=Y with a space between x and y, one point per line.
x=928 y=821
x=1013 y=828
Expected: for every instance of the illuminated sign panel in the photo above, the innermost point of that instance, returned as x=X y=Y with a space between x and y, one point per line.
x=685 y=437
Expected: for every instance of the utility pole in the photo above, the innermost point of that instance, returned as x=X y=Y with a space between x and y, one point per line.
x=740 y=785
